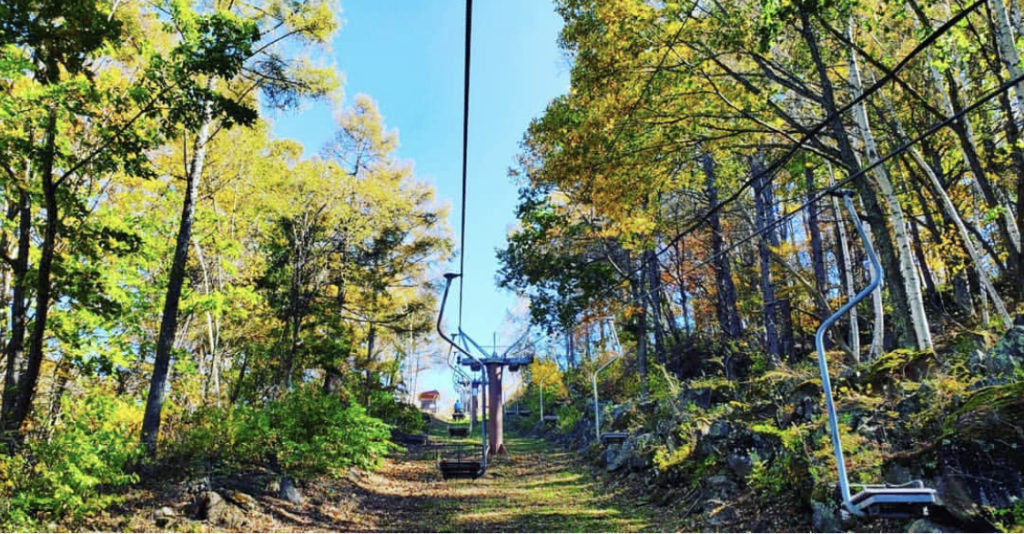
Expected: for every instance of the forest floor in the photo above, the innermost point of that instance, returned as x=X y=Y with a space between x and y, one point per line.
x=536 y=487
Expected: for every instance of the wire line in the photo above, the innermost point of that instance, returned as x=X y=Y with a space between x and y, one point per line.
x=465 y=152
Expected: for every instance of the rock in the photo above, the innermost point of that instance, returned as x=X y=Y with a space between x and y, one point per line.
x=244 y=500
x=897 y=474
x=208 y=505
x=721 y=515
x=163 y=516
x=999 y=364
x=927 y=525
x=740 y=464
x=211 y=507
x=720 y=487
x=609 y=456
x=274 y=487
x=720 y=429
x=643 y=452
x=622 y=457
x=824 y=518
x=197 y=485
x=289 y=492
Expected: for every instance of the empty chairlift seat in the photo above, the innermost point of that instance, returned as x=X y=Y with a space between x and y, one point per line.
x=458 y=431
x=458 y=461
x=550 y=419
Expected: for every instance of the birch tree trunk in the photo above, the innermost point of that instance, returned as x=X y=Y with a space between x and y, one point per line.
x=912 y=283
x=874 y=214
x=845 y=261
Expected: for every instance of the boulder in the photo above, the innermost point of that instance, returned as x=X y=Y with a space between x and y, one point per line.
x=824 y=518
x=163 y=516
x=622 y=457
x=740 y=464
x=289 y=492
x=208 y=505
x=999 y=364
x=720 y=429
x=720 y=487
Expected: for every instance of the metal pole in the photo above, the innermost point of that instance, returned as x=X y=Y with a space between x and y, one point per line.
x=819 y=342
x=597 y=412
x=542 y=404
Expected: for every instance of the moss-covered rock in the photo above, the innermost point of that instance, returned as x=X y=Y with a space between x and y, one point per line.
x=1003 y=362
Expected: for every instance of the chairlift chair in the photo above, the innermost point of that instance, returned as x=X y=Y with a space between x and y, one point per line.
x=878 y=500
x=550 y=419
x=461 y=465
x=458 y=431
x=458 y=461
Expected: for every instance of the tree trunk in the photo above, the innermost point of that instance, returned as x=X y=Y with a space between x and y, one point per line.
x=654 y=298
x=877 y=347
x=872 y=209
x=28 y=379
x=846 y=270
x=950 y=212
x=908 y=271
x=728 y=316
x=763 y=210
x=176 y=279
x=640 y=319
x=814 y=230
x=19 y=315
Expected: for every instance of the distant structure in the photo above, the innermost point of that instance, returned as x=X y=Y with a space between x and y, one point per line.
x=428 y=401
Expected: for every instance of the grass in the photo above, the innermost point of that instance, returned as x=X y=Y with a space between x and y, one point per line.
x=535 y=488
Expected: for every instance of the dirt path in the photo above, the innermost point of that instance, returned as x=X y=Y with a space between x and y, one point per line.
x=536 y=488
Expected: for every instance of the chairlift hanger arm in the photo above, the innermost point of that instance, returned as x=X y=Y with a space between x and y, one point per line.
x=871 y=500
x=448 y=277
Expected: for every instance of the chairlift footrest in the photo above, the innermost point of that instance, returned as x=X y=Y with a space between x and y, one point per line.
x=609 y=438
x=901 y=502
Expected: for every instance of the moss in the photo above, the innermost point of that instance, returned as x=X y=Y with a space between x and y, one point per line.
x=901 y=364
x=987 y=409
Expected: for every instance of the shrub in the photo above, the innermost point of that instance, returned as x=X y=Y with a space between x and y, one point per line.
x=403 y=416
x=88 y=454
x=304 y=433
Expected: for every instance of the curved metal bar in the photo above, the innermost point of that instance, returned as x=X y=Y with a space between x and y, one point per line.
x=504 y=355
x=448 y=277
x=465 y=337
x=819 y=342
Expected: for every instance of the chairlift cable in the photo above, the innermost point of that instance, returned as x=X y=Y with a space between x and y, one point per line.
x=465 y=152
x=841 y=183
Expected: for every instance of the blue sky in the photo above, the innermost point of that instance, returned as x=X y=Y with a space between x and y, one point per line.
x=408 y=56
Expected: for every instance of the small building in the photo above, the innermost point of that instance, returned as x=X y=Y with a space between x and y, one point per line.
x=429 y=400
